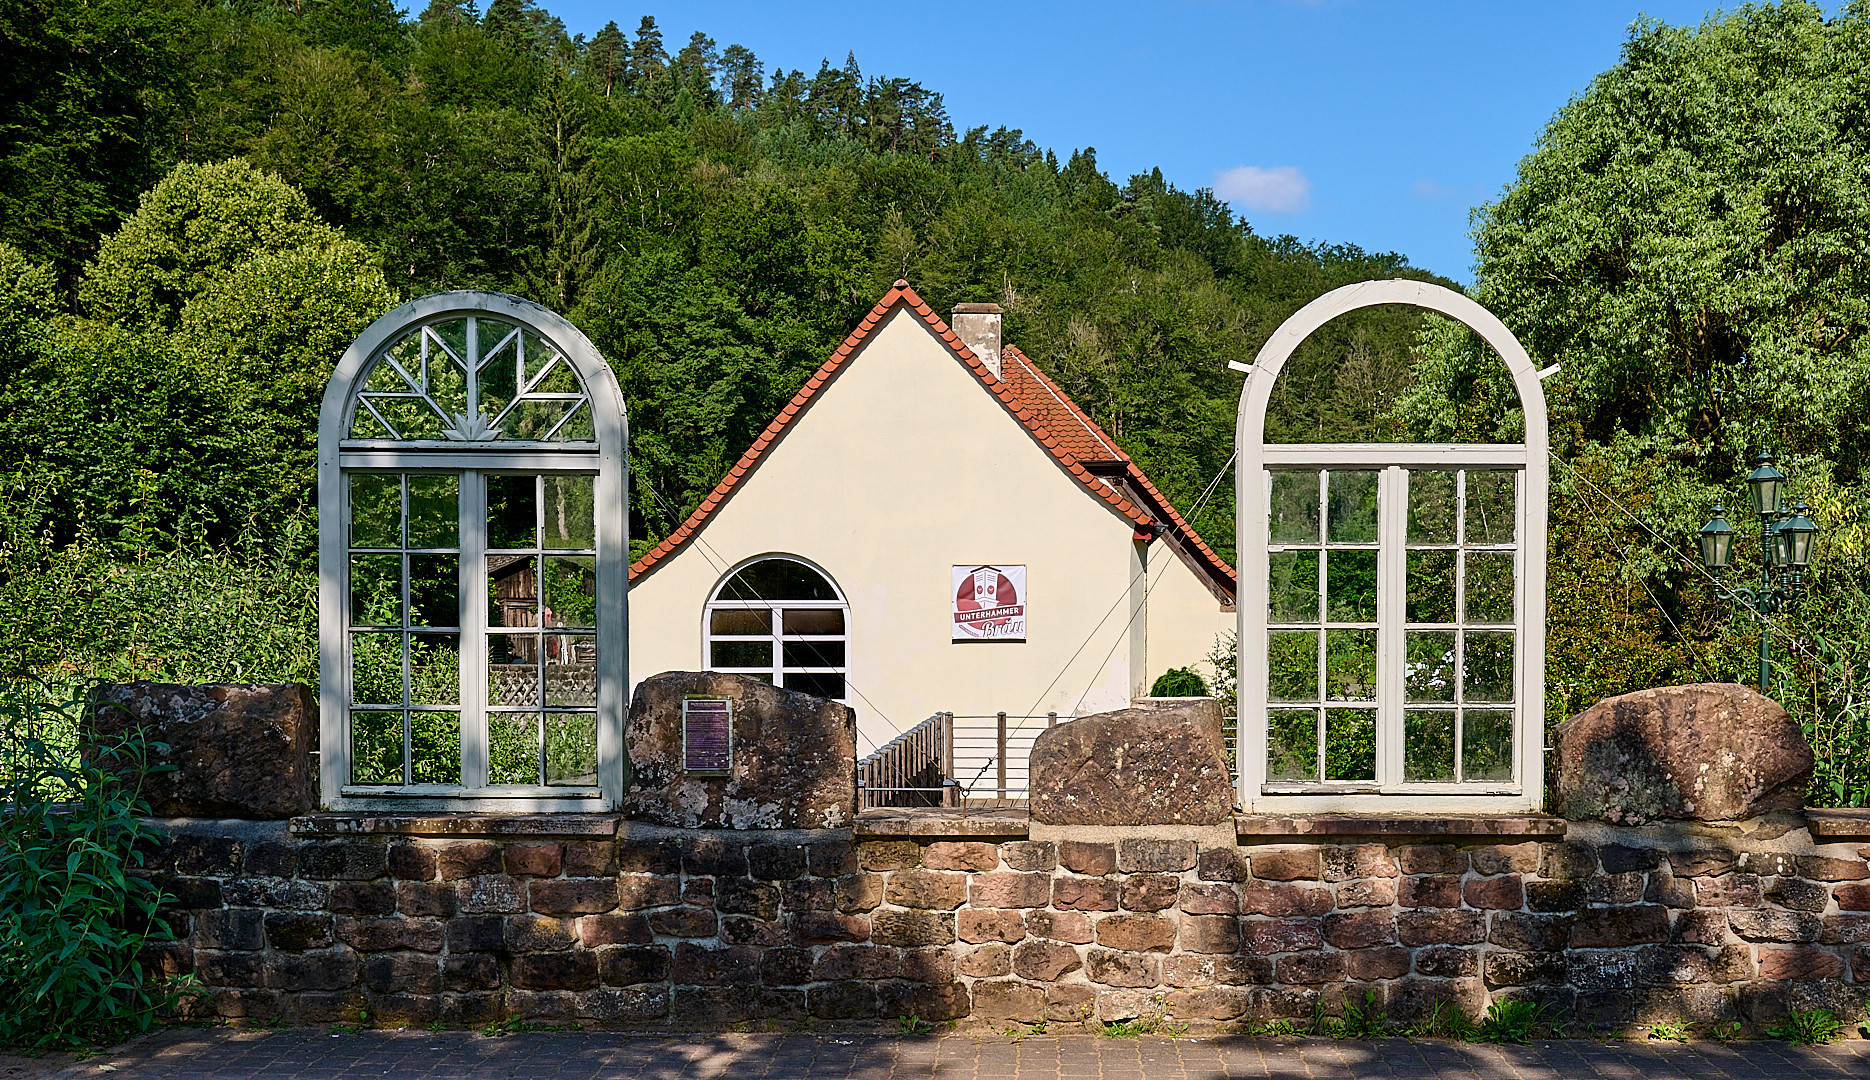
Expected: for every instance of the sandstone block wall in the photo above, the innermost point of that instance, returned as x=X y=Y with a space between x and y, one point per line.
x=1609 y=926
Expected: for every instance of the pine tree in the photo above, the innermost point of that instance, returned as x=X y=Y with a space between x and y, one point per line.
x=648 y=59
x=607 y=55
x=740 y=77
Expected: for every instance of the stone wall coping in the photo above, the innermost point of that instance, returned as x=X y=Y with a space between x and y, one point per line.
x=583 y=825
x=1391 y=825
x=937 y=821
x=1838 y=824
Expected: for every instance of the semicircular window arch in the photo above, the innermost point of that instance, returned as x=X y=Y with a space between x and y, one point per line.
x=471 y=378
x=782 y=621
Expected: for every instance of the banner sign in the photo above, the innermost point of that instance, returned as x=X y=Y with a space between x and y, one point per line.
x=989 y=603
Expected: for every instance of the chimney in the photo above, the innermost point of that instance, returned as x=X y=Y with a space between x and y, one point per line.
x=978 y=327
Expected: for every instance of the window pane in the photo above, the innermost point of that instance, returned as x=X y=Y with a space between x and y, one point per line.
x=732 y=654
x=571 y=748
x=1431 y=586
x=825 y=685
x=1428 y=746
x=376 y=747
x=1431 y=507
x=512 y=669
x=1294 y=518
x=512 y=590
x=570 y=521
x=512 y=511
x=499 y=376
x=434 y=590
x=1292 y=588
x=1350 y=744
x=778 y=579
x=570 y=682
x=435 y=747
x=1353 y=512
x=814 y=654
x=812 y=621
x=435 y=669
x=1292 y=663
x=433 y=519
x=571 y=591
x=1429 y=673
x=1489 y=664
x=1487 y=744
x=1351 y=665
x=1490 y=507
x=447 y=383
x=513 y=748
x=376 y=590
x=747 y=621
x=410 y=416
x=1351 y=586
x=1490 y=586
x=1292 y=744
x=376 y=510
x=377 y=669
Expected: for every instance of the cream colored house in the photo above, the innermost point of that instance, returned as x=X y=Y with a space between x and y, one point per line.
x=918 y=471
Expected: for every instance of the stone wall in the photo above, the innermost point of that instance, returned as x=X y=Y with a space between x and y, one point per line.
x=593 y=918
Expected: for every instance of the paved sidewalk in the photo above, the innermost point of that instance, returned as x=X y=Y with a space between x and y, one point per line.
x=314 y=1054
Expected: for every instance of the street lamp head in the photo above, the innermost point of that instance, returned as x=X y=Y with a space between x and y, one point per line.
x=1799 y=536
x=1763 y=485
x=1717 y=541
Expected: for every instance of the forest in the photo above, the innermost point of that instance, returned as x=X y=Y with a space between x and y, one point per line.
x=203 y=201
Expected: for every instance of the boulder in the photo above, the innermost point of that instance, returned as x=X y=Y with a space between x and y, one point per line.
x=1705 y=752
x=794 y=757
x=1164 y=765
x=238 y=750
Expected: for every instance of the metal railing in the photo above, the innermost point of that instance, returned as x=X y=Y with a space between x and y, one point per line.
x=991 y=754
x=915 y=768
x=948 y=760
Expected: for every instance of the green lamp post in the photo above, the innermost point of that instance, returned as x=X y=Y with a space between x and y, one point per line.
x=1786 y=539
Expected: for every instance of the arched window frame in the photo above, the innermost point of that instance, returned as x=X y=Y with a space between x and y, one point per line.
x=604 y=457
x=1529 y=458
x=778 y=635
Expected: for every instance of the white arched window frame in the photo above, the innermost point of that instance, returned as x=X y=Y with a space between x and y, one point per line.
x=1427 y=670
x=479 y=437
x=796 y=637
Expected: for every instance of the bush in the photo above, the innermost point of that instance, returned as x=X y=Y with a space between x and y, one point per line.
x=75 y=917
x=1179 y=682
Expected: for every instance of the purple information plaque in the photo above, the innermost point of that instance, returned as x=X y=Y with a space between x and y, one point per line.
x=707 y=744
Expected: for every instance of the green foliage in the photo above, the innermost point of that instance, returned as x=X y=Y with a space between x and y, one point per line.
x=1808 y=1027
x=199 y=223
x=1704 y=290
x=74 y=916
x=913 y=1025
x=1509 y=1022
x=1367 y=1020
x=1671 y=1030
x=1726 y=1031
x=1444 y=1021
x=1179 y=682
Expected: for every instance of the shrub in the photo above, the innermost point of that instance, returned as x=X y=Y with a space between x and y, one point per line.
x=1179 y=682
x=75 y=917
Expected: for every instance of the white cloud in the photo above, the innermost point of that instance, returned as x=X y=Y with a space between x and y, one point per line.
x=1280 y=190
x=1425 y=188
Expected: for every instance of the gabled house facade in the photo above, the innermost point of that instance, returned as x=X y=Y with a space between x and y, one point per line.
x=932 y=525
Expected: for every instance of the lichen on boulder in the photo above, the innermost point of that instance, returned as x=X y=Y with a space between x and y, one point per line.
x=1703 y=752
x=238 y=750
x=794 y=757
x=1164 y=765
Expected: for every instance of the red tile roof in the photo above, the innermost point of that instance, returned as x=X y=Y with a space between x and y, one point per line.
x=1054 y=420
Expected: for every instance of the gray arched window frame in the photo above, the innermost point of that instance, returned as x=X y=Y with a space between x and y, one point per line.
x=472 y=447
x=1393 y=462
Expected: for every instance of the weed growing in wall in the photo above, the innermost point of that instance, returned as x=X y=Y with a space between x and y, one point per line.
x=74 y=916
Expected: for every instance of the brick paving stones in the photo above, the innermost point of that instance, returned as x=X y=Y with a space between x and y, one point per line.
x=316 y=1054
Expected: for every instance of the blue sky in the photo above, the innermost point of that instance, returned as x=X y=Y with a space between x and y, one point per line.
x=1373 y=122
